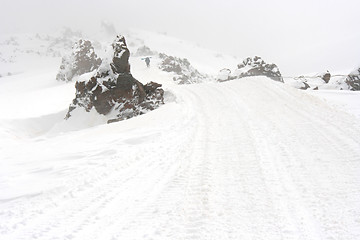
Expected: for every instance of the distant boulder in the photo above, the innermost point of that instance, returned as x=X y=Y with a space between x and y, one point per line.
x=353 y=80
x=181 y=67
x=83 y=59
x=257 y=67
x=224 y=75
x=307 y=86
x=326 y=76
x=113 y=91
x=144 y=51
x=108 y=28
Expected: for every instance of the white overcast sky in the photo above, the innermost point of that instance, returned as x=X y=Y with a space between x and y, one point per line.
x=300 y=36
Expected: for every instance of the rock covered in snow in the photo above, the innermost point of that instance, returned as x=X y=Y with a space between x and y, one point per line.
x=113 y=91
x=326 y=76
x=353 y=80
x=224 y=75
x=144 y=51
x=181 y=67
x=257 y=67
x=83 y=59
x=322 y=81
x=304 y=83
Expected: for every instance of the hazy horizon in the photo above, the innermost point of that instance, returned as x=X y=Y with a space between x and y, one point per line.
x=300 y=37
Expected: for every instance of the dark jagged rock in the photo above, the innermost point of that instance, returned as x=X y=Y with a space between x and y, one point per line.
x=305 y=86
x=353 y=80
x=185 y=73
x=114 y=92
x=326 y=76
x=120 y=61
x=257 y=67
x=82 y=60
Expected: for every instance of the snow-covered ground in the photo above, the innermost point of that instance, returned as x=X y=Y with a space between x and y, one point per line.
x=348 y=101
x=244 y=159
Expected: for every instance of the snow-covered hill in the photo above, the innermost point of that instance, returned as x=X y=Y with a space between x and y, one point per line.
x=249 y=158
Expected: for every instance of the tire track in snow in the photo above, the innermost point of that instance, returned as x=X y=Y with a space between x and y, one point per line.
x=247 y=160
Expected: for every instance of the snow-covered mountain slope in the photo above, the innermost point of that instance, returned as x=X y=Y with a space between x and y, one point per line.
x=245 y=159
x=239 y=160
x=23 y=52
x=205 y=60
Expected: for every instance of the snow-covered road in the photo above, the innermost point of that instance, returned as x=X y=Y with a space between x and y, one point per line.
x=246 y=159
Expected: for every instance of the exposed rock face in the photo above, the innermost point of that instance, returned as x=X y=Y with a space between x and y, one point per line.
x=257 y=67
x=114 y=92
x=82 y=60
x=353 y=80
x=185 y=73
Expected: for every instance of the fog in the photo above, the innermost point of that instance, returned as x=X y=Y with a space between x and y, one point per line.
x=299 y=36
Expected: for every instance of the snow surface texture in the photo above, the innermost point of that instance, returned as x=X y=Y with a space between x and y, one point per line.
x=245 y=159
x=83 y=59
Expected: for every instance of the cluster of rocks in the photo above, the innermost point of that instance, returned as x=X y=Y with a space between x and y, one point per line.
x=181 y=67
x=12 y=41
x=353 y=80
x=252 y=67
x=327 y=81
x=319 y=80
x=113 y=91
x=83 y=59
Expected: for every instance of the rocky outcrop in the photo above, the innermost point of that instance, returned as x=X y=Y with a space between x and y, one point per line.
x=353 y=80
x=181 y=67
x=113 y=91
x=83 y=59
x=257 y=67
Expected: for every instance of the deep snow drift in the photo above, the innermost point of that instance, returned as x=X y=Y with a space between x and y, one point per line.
x=245 y=159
